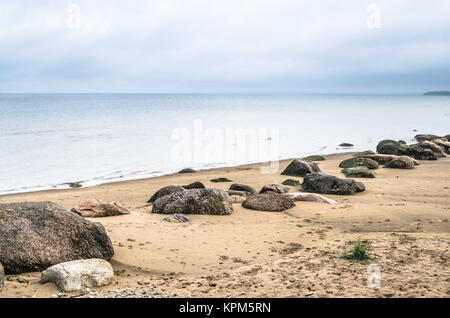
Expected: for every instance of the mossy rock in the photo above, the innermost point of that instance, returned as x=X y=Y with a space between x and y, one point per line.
x=291 y=182
x=217 y=180
x=384 y=142
x=315 y=158
x=358 y=172
x=74 y=184
x=364 y=153
x=422 y=137
x=359 y=162
x=242 y=187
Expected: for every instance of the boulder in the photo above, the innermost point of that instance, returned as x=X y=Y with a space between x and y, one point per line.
x=312 y=197
x=165 y=191
x=417 y=152
x=177 y=218
x=432 y=146
x=319 y=182
x=274 y=188
x=242 y=187
x=195 y=185
x=291 y=182
x=444 y=144
x=364 y=153
x=195 y=201
x=36 y=235
x=187 y=170
x=269 y=201
x=423 y=137
x=300 y=168
x=2 y=277
x=387 y=142
x=359 y=162
x=358 y=172
x=383 y=159
x=99 y=208
x=315 y=158
x=217 y=180
x=402 y=162
x=80 y=274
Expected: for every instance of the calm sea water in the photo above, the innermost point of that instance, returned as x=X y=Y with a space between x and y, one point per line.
x=48 y=140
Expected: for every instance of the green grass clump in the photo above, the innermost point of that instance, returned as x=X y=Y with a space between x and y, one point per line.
x=358 y=251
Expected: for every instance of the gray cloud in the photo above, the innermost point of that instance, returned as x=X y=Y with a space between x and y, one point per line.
x=224 y=46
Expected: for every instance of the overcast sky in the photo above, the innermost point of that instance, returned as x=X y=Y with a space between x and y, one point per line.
x=225 y=46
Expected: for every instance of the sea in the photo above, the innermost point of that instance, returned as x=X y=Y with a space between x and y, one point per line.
x=48 y=141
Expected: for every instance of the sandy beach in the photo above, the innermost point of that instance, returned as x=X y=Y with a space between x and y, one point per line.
x=403 y=217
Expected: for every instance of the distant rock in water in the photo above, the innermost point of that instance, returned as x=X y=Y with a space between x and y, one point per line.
x=37 y=235
x=99 y=208
x=165 y=191
x=437 y=93
x=194 y=185
x=320 y=182
x=272 y=202
x=187 y=170
x=217 y=180
x=195 y=201
x=346 y=145
x=300 y=168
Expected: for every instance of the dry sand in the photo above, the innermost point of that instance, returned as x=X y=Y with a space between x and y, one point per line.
x=403 y=217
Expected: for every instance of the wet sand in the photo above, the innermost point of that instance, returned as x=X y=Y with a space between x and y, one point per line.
x=403 y=216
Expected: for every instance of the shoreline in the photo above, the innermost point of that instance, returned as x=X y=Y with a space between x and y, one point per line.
x=162 y=175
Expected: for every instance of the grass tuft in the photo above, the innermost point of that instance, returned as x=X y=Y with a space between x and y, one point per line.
x=358 y=251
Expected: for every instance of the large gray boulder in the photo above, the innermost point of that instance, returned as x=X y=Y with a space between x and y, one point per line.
x=165 y=191
x=36 y=235
x=402 y=162
x=269 y=201
x=300 y=168
x=319 y=182
x=417 y=152
x=2 y=277
x=195 y=201
x=78 y=275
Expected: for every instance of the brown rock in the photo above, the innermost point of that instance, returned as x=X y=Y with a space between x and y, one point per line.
x=99 y=208
x=402 y=162
x=269 y=201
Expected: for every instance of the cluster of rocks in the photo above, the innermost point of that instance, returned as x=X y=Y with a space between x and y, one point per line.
x=37 y=236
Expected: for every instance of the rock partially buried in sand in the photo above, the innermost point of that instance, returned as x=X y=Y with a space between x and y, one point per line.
x=300 y=168
x=195 y=185
x=99 y=208
x=165 y=191
x=272 y=202
x=80 y=274
x=319 y=182
x=359 y=162
x=217 y=180
x=177 y=218
x=383 y=159
x=358 y=172
x=274 y=188
x=36 y=235
x=313 y=197
x=2 y=277
x=315 y=158
x=364 y=153
x=291 y=182
x=242 y=187
x=187 y=170
x=195 y=201
x=417 y=152
x=402 y=162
